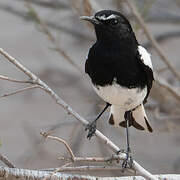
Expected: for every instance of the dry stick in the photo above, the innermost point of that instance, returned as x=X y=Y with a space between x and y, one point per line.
x=152 y=39
x=6 y=161
x=51 y=38
x=19 y=174
x=91 y=159
x=55 y=171
x=20 y=90
x=87 y=168
x=61 y=141
x=2 y=77
x=79 y=159
x=63 y=104
x=83 y=168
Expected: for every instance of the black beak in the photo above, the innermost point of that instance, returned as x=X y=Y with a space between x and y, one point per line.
x=91 y=19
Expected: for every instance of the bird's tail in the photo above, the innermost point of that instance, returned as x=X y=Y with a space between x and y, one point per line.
x=137 y=118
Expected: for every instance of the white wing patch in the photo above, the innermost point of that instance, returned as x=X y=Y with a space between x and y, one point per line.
x=145 y=56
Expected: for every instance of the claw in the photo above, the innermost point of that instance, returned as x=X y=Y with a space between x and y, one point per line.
x=128 y=162
x=92 y=129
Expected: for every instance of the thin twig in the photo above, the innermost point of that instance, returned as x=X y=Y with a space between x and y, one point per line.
x=20 y=90
x=61 y=141
x=79 y=159
x=6 y=161
x=2 y=77
x=91 y=159
x=63 y=104
x=56 y=170
x=88 y=168
x=152 y=39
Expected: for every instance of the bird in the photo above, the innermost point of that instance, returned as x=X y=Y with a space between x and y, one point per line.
x=121 y=73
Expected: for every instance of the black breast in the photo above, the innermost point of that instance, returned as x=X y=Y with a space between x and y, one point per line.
x=109 y=60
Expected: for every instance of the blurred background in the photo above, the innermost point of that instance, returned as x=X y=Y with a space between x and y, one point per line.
x=47 y=37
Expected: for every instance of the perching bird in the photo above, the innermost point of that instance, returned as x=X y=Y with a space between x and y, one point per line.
x=121 y=72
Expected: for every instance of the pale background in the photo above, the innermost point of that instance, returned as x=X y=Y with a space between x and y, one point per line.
x=25 y=115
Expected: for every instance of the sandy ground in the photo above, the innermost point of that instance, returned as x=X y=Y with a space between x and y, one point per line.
x=25 y=115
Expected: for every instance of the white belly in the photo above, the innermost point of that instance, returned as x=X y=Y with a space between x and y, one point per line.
x=121 y=96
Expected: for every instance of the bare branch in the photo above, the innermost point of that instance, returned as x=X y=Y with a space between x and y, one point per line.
x=19 y=174
x=63 y=104
x=92 y=159
x=152 y=39
x=61 y=141
x=20 y=90
x=12 y=79
x=80 y=159
x=88 y=168
x=6 y=161
x=19 y=66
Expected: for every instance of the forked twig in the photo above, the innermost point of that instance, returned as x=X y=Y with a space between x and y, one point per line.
x=61 y=141
x=20 y=90
x=2 y=77
x=73 y=158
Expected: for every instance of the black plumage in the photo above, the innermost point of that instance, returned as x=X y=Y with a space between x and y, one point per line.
x=117 y=57
x=117 y=60
x=121 y=73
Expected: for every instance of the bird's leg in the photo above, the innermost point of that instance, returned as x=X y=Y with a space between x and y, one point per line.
x=128 y=160
x=92 y=126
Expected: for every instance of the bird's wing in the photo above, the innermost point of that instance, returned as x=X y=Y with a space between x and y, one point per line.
x=145 y=61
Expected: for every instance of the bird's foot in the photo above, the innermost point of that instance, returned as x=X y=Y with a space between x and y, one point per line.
x=128 y=162
x=91 y=127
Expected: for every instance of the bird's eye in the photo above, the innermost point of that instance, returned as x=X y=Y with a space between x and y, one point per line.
x=114 y=22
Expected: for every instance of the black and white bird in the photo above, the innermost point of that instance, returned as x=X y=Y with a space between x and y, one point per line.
x=121 y=71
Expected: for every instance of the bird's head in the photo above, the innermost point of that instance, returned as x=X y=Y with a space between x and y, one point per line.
x=110 y=25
